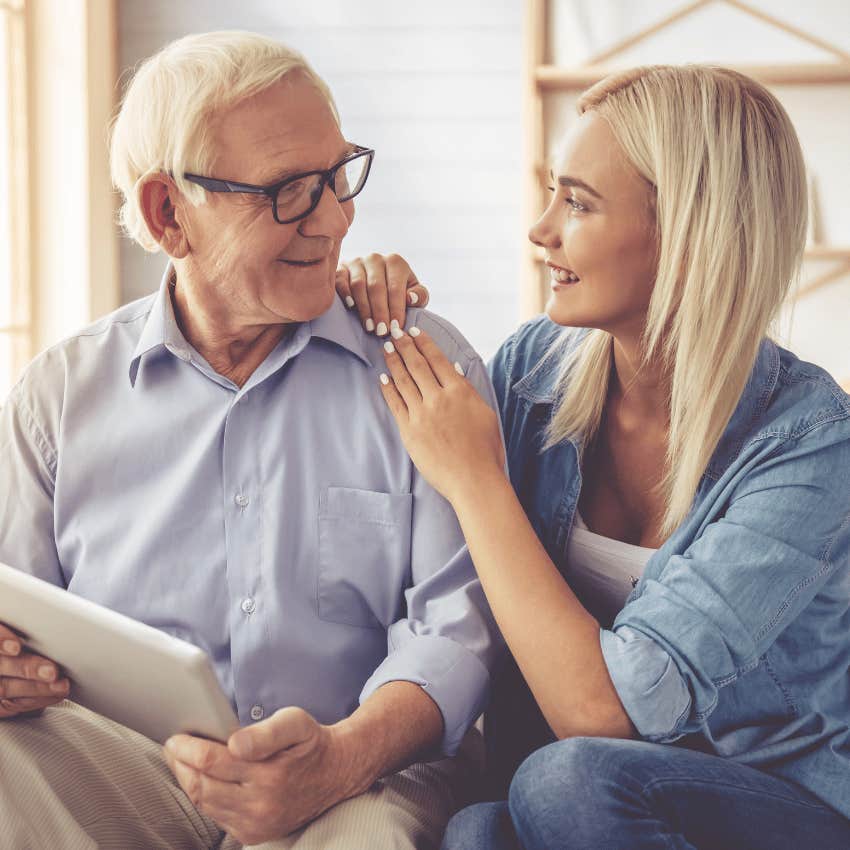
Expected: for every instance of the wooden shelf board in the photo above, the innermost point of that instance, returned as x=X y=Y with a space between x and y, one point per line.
x=557 y=78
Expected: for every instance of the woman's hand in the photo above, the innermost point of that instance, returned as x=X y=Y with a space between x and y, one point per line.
x=380 y=287
x=450 y=432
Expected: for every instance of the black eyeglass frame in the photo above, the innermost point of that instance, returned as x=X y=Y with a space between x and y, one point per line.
x=328 y=176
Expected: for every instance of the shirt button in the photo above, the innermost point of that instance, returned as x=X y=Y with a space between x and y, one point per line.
x=257 y=712
x=242 y=500
x=248 y=605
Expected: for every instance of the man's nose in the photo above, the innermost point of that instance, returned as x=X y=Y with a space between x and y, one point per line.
x=328 y=219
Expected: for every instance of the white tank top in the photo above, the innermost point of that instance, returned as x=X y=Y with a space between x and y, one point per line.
x=602 y=571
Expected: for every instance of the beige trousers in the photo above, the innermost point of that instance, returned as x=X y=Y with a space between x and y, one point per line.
x=71 y=779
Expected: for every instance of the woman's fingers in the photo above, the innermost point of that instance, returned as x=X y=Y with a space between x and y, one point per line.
x=394 y=400
x=400 y=278
x=377 y=290
x=417 y=295
x=401 y=377
x=343 y=286
x=357 y=290
x=416 y=365
x=446 y=373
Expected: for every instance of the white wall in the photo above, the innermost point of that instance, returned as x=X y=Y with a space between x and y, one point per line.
x=435 y=89
x=818 y=329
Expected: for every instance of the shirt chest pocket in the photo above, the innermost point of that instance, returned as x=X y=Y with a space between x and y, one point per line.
x=364 y=556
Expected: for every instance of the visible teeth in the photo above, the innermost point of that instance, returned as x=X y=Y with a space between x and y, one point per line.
x=563 y=276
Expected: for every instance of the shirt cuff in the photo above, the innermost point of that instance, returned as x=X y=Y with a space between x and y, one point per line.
x=451 y=675
x=649 y=684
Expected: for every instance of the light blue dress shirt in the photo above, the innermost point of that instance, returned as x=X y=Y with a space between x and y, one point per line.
x=280 y=526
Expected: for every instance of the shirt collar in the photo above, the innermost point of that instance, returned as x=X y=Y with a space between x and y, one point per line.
x=341 y=327
x=751 y=406
x=162 y=331
x=539 y=384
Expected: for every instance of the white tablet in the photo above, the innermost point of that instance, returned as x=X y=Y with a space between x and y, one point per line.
x=121 y=668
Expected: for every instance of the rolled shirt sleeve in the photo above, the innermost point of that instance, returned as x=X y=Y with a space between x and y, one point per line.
x=448 y=641
x=714 y=610
x=27 y=478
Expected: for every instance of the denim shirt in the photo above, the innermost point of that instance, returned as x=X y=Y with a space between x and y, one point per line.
x=736 y=640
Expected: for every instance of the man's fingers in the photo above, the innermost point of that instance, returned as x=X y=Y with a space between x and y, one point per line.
x=208 y=757
x=357 y=289
x=29 y=666
x=12 y=688
x=446 y=372
x=376 y=289
x=10 y=643
x=285 y=728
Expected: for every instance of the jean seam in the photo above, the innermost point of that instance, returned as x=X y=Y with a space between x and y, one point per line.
x=744 y=788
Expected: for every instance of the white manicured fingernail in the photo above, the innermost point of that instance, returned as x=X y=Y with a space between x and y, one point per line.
x=349 y=301
x=414 y=332
x=381 y=330
x=413 y=297
x=370 y=325
x=395 y=330
x=384 y=379
x=389 y=347
x=459 y=369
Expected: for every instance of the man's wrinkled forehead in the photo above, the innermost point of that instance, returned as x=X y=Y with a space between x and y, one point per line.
x=288 y=127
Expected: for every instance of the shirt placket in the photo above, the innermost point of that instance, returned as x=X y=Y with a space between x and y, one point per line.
x=244 y=545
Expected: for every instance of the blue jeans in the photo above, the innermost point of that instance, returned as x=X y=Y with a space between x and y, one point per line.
x=608 y=794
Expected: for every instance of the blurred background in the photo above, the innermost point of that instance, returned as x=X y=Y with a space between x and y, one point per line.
x=463 y=101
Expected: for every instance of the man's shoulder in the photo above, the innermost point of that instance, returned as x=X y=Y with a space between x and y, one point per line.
x=107 y=337
x=451 y=341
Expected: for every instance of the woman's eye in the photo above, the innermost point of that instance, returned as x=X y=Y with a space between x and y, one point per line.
x=576 y=205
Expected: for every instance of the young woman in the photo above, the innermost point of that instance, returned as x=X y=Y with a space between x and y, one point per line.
x=670 y=560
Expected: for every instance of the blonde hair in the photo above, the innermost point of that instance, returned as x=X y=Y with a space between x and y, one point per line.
x=168 y=107
x=730 y=204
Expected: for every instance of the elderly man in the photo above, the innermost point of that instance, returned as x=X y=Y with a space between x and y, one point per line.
x=217 y=460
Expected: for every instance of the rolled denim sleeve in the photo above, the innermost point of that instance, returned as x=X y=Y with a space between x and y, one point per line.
x=716 y=608
x=448 y=642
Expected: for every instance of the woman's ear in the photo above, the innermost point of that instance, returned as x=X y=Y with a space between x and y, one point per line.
x=157 y=198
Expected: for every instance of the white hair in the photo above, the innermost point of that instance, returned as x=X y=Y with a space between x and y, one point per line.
x=165 y=116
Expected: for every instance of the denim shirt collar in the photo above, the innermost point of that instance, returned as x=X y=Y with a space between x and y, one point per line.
x=539 y=385
x=162 y=331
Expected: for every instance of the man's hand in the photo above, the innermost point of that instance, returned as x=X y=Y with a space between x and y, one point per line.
x=28 y=683
x=270 y=778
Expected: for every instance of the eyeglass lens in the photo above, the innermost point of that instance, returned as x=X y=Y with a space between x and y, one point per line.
x=296 y=198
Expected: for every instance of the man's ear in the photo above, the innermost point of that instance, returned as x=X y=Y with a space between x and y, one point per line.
x=157 y=197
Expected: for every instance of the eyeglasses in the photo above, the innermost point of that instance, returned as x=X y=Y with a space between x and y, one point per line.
x=297 y=196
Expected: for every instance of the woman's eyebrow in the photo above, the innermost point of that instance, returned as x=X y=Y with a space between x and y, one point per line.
x=565 y=180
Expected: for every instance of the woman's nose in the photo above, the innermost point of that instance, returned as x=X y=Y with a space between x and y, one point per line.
x=545 y=232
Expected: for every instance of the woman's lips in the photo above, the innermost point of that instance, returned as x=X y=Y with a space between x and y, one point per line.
x=562 y=276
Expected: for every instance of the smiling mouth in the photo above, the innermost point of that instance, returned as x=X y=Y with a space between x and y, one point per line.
x=303 y=262
x=562 y=275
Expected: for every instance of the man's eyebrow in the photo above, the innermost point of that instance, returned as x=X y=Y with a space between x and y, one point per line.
x=565 y=180
x=278 y=176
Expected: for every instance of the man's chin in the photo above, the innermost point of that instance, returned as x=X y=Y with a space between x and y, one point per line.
x=316 y=302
